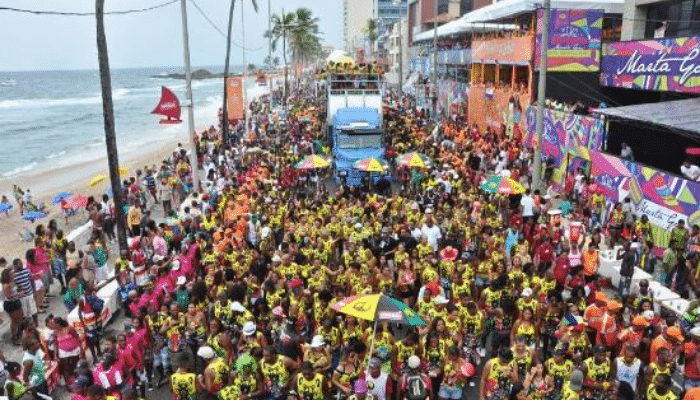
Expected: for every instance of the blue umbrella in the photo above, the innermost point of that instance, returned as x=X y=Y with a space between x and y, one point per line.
x=5 y=207
x=58 y=198
x=33 y=216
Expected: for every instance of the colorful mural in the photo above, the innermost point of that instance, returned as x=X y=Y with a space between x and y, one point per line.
x=665 y=198
x=574 y=40
x=671 y=64
x=565 y=133
x=453 y=96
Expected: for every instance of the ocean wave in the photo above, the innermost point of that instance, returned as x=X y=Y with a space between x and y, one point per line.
x=69 y=101
x=19 y=170
x=52 y=125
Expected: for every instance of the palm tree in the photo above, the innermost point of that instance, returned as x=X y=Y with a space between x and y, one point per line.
x=372 y=34
x=305 y=42
x=252 y=68
x=226 y=64
x=280 y=25
x=110 y=130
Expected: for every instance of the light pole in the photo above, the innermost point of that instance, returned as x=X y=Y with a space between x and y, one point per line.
x=400 y=64
x=435 y=62
x=541 y=94
x=188 y=84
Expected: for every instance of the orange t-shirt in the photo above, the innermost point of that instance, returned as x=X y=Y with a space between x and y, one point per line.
x=692 y=394
x=656 y=344
x=590 y=262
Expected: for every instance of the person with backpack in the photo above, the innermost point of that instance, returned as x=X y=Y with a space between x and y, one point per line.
x=415 y=385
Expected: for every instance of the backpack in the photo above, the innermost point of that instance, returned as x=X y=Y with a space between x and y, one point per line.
x=415 y=387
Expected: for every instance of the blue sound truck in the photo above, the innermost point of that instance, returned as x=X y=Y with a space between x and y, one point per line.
x=355 y=121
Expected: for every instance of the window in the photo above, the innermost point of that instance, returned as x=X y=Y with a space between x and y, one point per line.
x=443 y=6
x=359 y=141
x=679 y=18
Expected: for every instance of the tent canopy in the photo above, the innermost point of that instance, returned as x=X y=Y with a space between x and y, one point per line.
x=477 y=20
x=678 y=114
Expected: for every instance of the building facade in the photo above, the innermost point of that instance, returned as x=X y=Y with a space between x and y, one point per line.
x=654 y=19
x=355 y=16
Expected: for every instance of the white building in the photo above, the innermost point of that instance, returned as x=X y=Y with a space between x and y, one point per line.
x=355 y=16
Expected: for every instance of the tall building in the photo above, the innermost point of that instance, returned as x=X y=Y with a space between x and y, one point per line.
x=647 y=19
x=356 y=13
x=355 y=16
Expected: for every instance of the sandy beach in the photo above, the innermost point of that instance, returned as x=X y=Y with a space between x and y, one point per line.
x=45 y=184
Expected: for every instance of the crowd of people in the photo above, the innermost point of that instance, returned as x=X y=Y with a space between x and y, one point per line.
x=230 y=296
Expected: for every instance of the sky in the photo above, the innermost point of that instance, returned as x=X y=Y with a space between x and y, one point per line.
x=148 y=39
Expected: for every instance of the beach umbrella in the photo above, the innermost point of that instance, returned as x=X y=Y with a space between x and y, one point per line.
x=312 y=162
x=378 y=307
x=5 y=207
x=413 y=159
x=370 y=164
x=59 y=197
x=76 y=202
x=502 y=185
x=244 y=361
x=33 y=216
x=97 y=179
x=123 y=170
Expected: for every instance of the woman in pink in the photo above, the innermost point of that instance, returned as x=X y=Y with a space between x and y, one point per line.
x=37 y=271
x=69 y=349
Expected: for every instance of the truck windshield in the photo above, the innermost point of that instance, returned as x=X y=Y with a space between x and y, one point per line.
x=359 y=141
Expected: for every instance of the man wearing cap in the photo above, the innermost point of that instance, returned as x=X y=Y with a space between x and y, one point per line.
x=670 y=339
x=378 y=381
x=608 y=331
x=215 y=375
x=414 y=384
x=634 y=335
x=594 y=313
x=691 y=367
x=572 y=389
x=360 y=391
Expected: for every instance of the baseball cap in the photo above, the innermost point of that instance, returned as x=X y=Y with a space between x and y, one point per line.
x=614 y=305
x=249 y=328
x=181 y=280
x=413 y=362
x=640 y=321
x=576 y=380
x=317 y=341
x=205 y=352
x=440 y=299
x=374 y=362
x=360 y=386
x=295 y=283
x=675 y=332
x=526 y=292
x=600 y=296
x=237 y=306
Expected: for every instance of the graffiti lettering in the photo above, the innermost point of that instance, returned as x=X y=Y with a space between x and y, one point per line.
x=658 y=215
x=663 y=65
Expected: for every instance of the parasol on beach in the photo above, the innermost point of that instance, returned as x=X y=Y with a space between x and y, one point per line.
x=97 y=179
x=59 y=197
x=33 y=216
x=123 y=170
x=76 y=202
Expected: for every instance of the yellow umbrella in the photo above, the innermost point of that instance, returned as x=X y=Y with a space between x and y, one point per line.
x=96 y=179
x=311 y=162
x=123 y=170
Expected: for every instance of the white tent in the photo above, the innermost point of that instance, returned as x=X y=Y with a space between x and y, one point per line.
x=336 y=55
x=479 y=20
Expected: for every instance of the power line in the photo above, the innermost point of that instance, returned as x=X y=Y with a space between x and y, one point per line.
x=85 y=14
x=221 y=32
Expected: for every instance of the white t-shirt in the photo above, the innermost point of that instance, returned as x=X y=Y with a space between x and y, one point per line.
x=433 y=234
x=528 y=204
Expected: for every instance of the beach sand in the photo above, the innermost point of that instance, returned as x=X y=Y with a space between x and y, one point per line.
x=74 y=178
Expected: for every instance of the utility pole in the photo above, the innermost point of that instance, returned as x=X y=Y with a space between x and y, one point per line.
x=188 y=84
x=245 y=67
x=400 y=64
x=284 y=54
x=269 y=51
x=541 y=95
x=225 y=124
x=435 y=64
x=110 y=131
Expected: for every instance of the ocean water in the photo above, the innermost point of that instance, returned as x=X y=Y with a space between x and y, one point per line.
x=53 y=119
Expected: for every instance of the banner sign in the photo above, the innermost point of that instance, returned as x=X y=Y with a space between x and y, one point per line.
x=574 y=40
x=669 y=64
x=453 y=96
x=665 y=198
x=507 y=50
x=565 y=132
x=234 y=101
